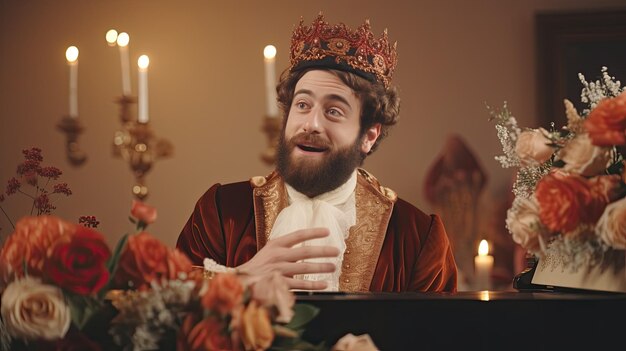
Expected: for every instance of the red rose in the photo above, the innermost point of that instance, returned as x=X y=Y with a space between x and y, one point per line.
x=224 y=293
x=201 y=335
x=77 y=262
x=143 y=260
x=143 y=213
x=567 y=200
x=606 y=123
x=30 y=241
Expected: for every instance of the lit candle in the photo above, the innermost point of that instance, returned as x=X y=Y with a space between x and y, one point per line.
x=143 y=62
x=270 y=80
x=71 y=54
x=483 y=264
x=122 y=42
x=111 y=37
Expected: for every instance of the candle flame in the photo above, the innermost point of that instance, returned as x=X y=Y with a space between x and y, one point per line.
x=71 y=54
x=269 y=52
x=111 y=37
x=123 y=39
x=143 y=62
x=483 y=248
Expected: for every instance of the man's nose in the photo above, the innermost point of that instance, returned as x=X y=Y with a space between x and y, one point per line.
x=313 y=121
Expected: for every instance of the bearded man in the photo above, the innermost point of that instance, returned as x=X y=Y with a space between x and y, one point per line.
x=319 y=219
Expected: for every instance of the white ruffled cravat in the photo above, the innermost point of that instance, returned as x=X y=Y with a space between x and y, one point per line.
x=334 y=210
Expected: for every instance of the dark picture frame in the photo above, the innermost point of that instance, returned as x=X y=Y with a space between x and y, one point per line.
x=572 y=43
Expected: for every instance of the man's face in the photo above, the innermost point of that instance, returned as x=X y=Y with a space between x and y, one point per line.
x=321 y=146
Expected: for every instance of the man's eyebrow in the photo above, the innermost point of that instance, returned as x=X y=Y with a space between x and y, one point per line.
x=334 y=97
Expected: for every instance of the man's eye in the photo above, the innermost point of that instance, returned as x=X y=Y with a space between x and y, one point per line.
x=335 y=112
x=301 y=105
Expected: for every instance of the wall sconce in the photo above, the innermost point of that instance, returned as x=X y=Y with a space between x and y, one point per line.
x=136 y=144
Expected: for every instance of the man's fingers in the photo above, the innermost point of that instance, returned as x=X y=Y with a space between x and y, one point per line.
x=291 y=269
x=300 y=236
x=305 y=252
x=299 y=284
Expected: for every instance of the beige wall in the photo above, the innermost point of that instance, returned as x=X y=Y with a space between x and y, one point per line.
x=207 y=97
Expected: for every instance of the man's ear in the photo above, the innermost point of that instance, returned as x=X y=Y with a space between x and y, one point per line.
x=370 y=138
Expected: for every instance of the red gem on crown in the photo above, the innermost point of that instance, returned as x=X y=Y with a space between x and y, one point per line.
x=323 y=45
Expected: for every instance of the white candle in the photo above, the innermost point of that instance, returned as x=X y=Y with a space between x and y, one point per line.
x=270 y=80
x=71 y=54
x=483 y=265
x=143 y=62
x=122 y=42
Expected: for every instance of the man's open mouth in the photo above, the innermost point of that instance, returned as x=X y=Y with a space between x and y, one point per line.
x=312 y=148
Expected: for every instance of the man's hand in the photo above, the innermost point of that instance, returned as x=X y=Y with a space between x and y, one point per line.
x=280 y=255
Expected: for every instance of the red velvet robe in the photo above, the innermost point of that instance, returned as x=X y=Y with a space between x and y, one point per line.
x=393 y=247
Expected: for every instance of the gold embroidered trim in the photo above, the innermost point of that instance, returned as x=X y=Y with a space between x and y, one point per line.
x=269 y=199
x=373 y=211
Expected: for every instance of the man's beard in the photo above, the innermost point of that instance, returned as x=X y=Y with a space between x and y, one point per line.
x=315 y=177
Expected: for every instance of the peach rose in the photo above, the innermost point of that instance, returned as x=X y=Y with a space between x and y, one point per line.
x=177 y=263
x=350 y=342
x=581 y=156
x=273 y=292
x=567 y=200
x=143 y=213
x=143 y=260
x=31 y=310
x=522 y=220
x=202 y=335
x=606 y=124
x=30 y=241
x=532 y=146
x=223 y=293
x=611 y=227
x=256 y=327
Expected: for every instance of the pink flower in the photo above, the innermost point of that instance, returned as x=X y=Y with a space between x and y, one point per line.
x=611 y=227
x=143 y=213
x=350 y=342
x=273 y=291
x=581 y=156
x=532 y=146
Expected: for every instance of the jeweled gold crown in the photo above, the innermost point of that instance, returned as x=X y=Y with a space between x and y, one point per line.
x=357 y=51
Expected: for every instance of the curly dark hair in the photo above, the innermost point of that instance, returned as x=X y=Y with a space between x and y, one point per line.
x=379 y=105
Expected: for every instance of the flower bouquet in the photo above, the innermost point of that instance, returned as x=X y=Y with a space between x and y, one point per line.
x=569 y=188
x=63 y=288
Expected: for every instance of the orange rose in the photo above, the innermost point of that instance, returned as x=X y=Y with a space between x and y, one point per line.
x=223 y=294
x=202 y=335
x=567 y=200
x=143 y=213
x=30 y=241
x=143 y=260
x=606 y=123
x=177 y=262
x=256 y=327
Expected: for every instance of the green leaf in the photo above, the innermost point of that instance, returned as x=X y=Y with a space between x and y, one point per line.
x=82 y=308
x=303 y=314
x=115 y=258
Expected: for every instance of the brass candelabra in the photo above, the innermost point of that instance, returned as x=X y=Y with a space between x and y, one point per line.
x=136 y=144
x=72 y=128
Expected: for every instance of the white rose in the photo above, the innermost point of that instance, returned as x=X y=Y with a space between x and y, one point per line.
x=611 y=227
x=532 y=146
x=522 y=220
x=581 y=156
x=32 y=310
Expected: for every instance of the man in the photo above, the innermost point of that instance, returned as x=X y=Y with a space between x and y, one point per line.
x=319 y=219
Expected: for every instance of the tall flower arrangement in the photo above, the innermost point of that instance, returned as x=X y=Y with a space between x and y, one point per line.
x=569 y=187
